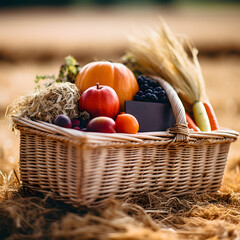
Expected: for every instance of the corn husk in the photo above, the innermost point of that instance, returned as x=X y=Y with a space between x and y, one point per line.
x=47 y=104
x=159 y=52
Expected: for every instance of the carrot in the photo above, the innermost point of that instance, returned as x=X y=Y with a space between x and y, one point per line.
x=211 y=115
x=201 y=117
x=191 y=123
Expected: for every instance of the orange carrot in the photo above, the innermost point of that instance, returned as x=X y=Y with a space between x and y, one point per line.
x=191 y=123
x=211 y=115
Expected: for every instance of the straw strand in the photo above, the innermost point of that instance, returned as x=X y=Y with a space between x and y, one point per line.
x=160 y=53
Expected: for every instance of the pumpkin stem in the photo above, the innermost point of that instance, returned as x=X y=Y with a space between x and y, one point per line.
x=98 y=86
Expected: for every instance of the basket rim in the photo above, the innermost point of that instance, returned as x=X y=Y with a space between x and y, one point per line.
x=100 y=138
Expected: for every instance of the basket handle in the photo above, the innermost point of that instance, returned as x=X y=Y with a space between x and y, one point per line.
x=180 y=129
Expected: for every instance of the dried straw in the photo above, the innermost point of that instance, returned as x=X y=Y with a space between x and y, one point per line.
x=160 y=53
x=25 y=214
x=47 y=104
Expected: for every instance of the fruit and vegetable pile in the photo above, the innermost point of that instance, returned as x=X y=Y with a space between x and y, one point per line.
x=93 y=97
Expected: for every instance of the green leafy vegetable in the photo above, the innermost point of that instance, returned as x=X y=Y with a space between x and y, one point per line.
x=67 y=73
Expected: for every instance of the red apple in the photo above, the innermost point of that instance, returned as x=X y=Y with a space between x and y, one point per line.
x=100 y=100
x=102 y=124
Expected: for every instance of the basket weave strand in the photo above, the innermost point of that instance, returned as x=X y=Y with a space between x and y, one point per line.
x=88 y=169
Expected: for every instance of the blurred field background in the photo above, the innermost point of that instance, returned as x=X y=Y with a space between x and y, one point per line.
x=35 y=38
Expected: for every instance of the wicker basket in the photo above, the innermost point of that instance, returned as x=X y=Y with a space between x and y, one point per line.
x=87 y=169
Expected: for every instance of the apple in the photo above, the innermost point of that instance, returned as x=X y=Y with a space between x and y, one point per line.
x=100 y=100
x=102 y=124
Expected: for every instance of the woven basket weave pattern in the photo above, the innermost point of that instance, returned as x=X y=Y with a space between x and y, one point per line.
x=90 y=168
x=90 y=175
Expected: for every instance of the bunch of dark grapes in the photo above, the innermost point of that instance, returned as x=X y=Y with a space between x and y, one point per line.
x=150 y=91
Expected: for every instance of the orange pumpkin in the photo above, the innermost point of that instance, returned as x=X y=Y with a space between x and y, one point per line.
x=115 y=75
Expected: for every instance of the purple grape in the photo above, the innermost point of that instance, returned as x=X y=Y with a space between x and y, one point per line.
x=150 y=91
x=77 y=128
x=161 y=93
x=140 y=80
x=153 y=98
x=159 y=88
x=145 y=86
x=75 y=122
x=136 y=98
x=154 y=84
x=63 y=121
x=163 y=99
x=143 y=98
x=148 y=95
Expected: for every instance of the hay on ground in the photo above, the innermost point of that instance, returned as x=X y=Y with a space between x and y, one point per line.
x=25 y=214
